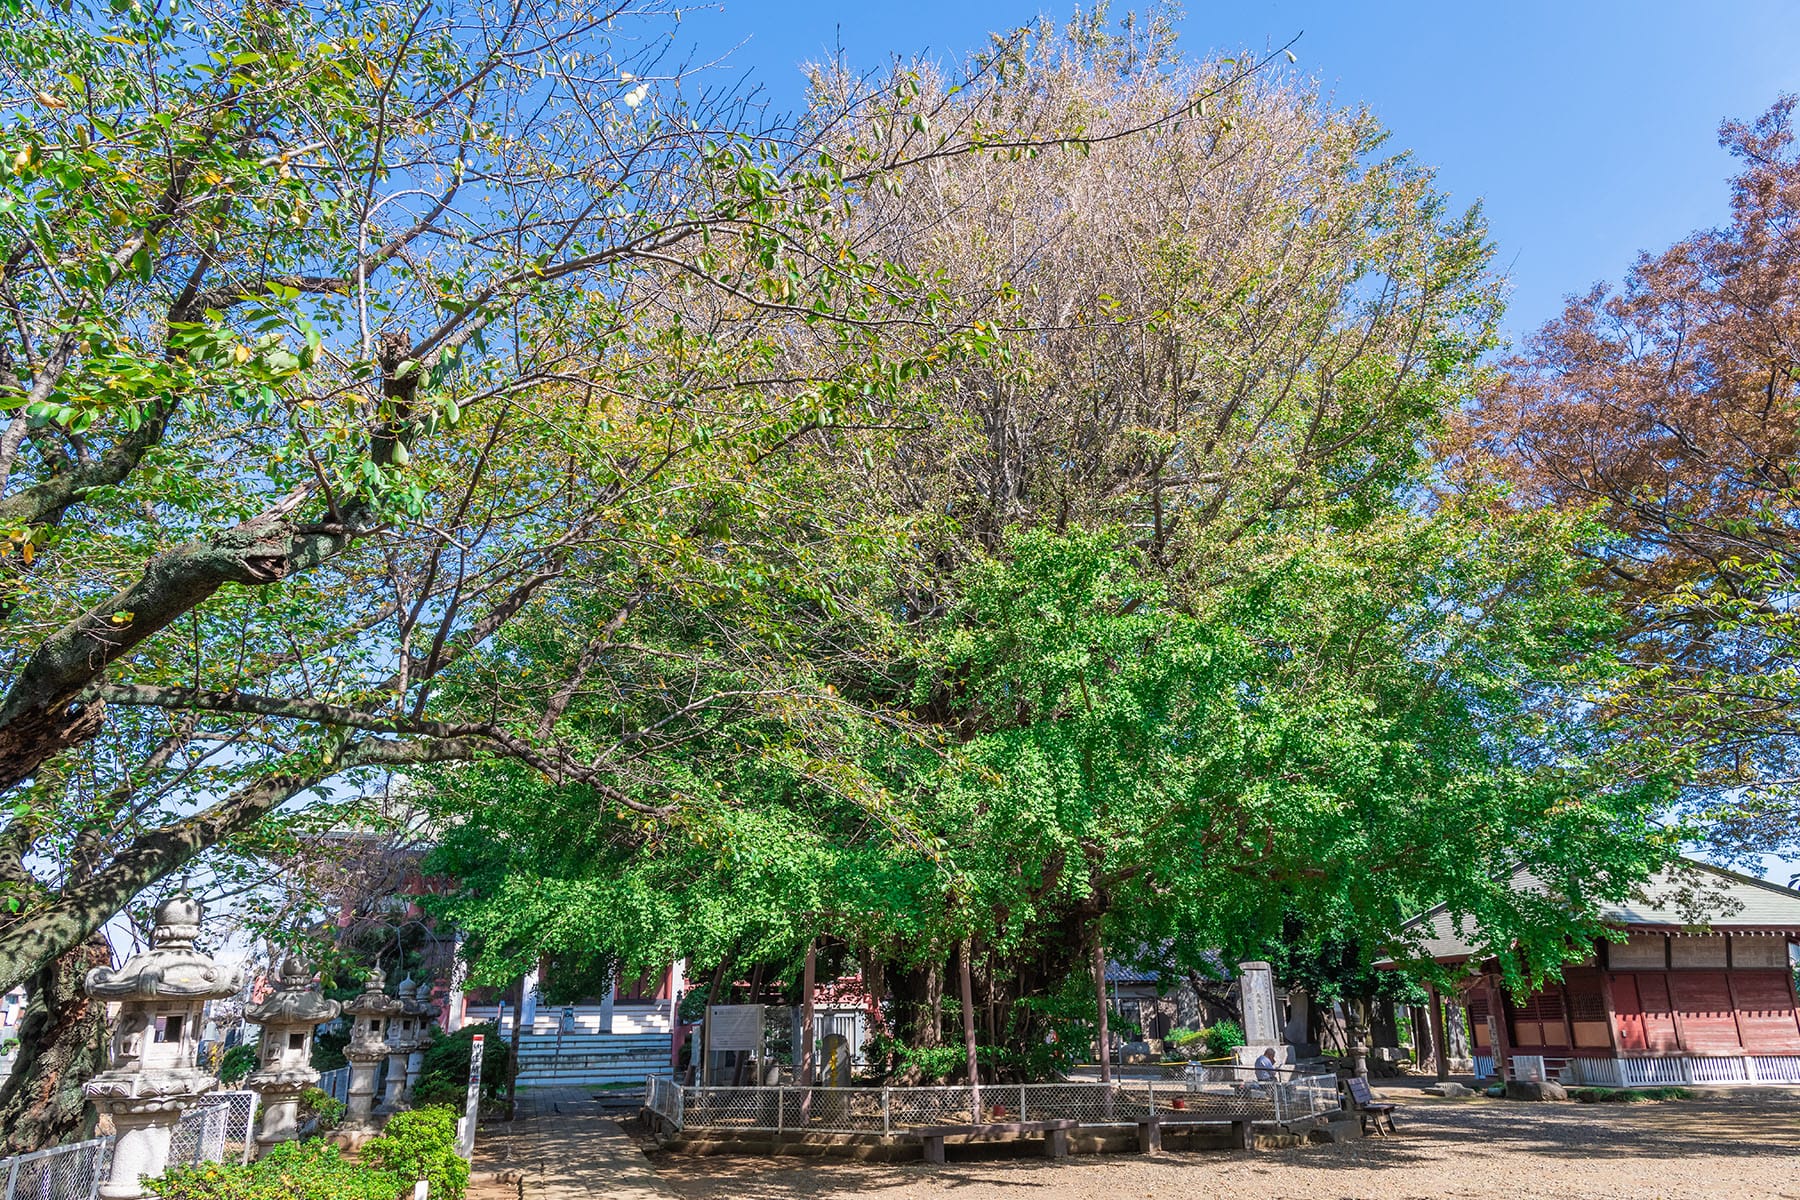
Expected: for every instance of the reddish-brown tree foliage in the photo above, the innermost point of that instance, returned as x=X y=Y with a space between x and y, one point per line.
x=1669 y=406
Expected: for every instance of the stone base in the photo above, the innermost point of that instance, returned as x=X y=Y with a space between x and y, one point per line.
x=1450 y=1089
x=1524 y=1090
x=352 y=1140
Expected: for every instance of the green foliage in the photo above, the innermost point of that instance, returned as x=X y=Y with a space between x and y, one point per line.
x=237 y=1062
x=1222 y=1039
x=1212 y=667
x=444 y=1071
x=421 y=1144
x=1606 y=1095
x=321 y=1106
x=311 y=1170
x=328 y=1048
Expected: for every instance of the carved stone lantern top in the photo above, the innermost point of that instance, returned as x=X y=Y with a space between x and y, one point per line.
x=171 y=969
x=287 y=1017
x=295 y=1001
x=408 y=1032
x=374 y=1011
x=162 y=995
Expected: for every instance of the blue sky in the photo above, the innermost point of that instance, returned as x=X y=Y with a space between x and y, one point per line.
x=1588 y=127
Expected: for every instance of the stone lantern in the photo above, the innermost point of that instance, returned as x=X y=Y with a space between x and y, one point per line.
x=372 y=1012
x=284 y=1056
x=423 y=1011
x=406 y=1039
x=162 y=995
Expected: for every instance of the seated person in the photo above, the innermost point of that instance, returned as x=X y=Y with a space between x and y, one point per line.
x=1265 y=1066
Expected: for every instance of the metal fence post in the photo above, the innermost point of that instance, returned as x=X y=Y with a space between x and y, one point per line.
x=250 y=1129
x=1153 y=1097
x=12 y=1178
x=780 y=1107
x=887 y=1111
x=1022 y=1115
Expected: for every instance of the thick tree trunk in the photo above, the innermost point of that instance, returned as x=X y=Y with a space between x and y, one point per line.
x=62 y=1045
x=1440 y=1040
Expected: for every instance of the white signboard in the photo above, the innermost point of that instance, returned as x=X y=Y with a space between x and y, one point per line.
x=734 y=1027
x=1256 y=987
x=472 y=1107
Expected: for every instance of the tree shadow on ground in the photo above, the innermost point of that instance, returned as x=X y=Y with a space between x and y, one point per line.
x=1446 y=1139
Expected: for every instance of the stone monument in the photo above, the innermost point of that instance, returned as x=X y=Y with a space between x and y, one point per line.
x=1262 y=1021
x=284 y=1056
x=371 y=1012
x=162 y=995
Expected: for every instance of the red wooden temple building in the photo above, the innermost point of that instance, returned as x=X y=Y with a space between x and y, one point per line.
x=1700 y=991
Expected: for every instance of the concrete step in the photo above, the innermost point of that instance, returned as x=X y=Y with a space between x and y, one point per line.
x=589 y=1076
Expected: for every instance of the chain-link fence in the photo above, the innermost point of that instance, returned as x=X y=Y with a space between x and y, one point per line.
x=891 y=1109
x=72 y=1172
x=220 y=1128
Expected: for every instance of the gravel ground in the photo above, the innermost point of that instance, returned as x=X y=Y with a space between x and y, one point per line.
x=1707 y=1148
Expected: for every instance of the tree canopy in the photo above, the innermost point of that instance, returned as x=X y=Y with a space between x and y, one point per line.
x=1179 y=637
x=1666 y=406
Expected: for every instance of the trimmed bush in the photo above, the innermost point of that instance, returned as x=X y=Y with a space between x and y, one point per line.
x=316 y=1104
x=310 y=1170
x=421 y=1145
x=1223 y=1038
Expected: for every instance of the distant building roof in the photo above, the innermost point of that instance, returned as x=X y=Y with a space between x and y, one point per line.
x=1689 y=895
x=1119 y=973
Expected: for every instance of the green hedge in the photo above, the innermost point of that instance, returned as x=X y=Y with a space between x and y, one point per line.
x=311 y=1170
x=414 y=1145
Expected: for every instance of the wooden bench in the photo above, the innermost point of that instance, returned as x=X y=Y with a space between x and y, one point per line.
x=1150 y=1130
x=1054 y=1133
x=1368 y=1107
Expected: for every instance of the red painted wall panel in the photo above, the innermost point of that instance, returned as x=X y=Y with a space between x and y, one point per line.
x=1708 y=1020
x=1659 y=1013
x=1766 y=1012
x=1629 y=1011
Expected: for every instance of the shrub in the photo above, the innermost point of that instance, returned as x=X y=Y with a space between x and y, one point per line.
x=1223 y=1038
x=238 y=1062
x=316 y=1104
x=444 y=1072
x=421 y=1145
x=310 y=1170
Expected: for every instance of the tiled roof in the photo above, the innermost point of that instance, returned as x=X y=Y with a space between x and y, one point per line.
x=1691 y=894
x=1119 y=973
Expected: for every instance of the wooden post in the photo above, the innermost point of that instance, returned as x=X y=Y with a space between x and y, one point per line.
x=808 y=979
x=1100 y=1005
x=1100 y=998
x=968 y=1015
x=1440 y=1036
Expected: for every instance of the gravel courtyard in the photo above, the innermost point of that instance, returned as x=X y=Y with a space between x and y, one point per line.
x=1707 y=1148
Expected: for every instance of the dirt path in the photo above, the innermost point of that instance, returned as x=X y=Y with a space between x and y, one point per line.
x=1709 y=1148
